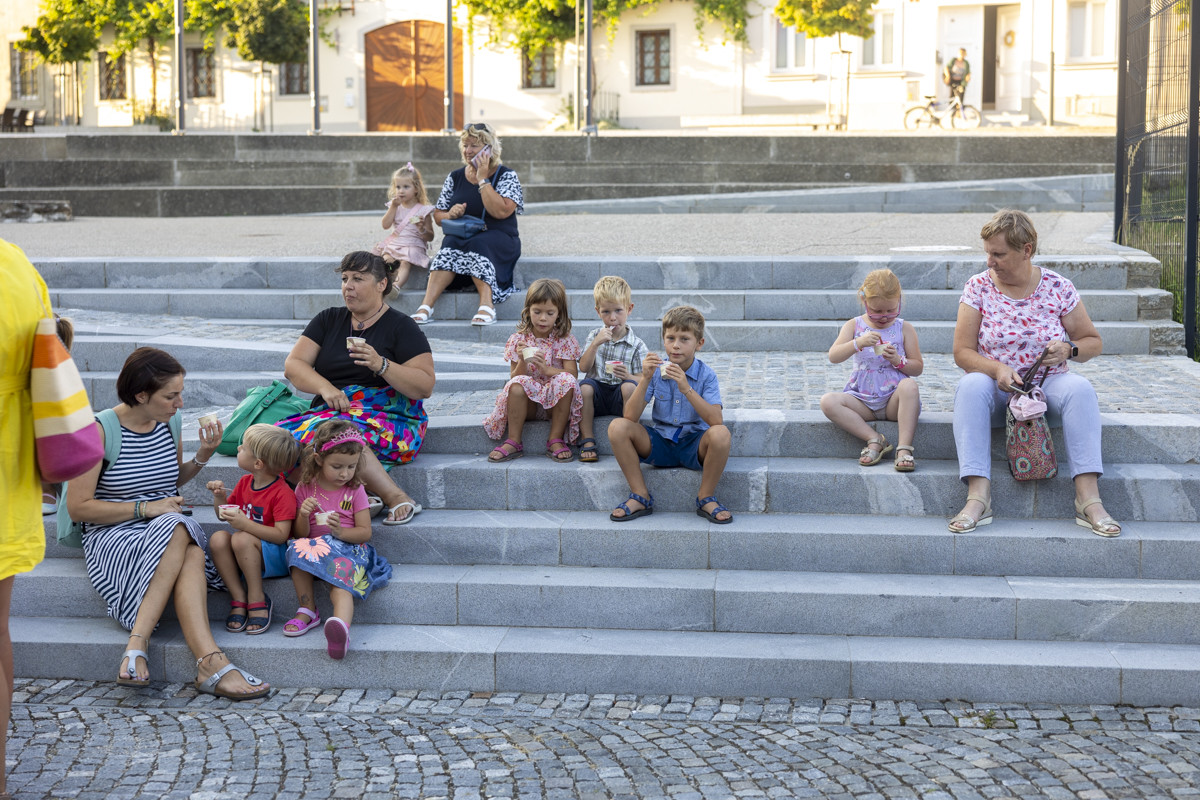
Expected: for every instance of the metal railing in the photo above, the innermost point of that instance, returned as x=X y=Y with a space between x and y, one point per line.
x=1158 y=148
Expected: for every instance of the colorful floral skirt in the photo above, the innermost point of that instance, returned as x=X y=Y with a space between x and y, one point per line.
x=393 y=425
x=357 y=568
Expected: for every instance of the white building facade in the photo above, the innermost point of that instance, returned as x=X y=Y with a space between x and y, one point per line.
x=1032 y=62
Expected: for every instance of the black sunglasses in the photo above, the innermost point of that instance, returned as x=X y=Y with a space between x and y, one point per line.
x=478 y=126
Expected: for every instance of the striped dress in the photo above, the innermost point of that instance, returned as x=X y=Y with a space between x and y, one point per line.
x=122 y=558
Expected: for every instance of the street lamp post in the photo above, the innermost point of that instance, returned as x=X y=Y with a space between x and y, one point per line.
x=180 y=71
x=314 y=72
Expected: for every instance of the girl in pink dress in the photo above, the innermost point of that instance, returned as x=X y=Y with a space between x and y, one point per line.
x=543 y=358
x=407 y=215
x=886 y=359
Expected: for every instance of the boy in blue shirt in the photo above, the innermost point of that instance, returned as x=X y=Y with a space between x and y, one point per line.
x=688 y=428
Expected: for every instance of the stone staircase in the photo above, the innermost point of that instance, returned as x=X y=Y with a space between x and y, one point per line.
x=834 y=581
x=207 y=174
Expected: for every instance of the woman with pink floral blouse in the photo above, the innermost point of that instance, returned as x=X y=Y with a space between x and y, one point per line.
x=1006 y=317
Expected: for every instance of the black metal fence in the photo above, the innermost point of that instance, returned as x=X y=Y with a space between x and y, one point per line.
x=1158 y=148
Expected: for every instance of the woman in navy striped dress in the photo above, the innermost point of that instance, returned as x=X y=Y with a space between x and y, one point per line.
x=139 y=548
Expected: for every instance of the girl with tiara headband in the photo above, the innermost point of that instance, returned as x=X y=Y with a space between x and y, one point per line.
x=333 y=526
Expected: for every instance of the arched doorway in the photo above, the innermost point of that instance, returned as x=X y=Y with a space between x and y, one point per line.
x=406 y=76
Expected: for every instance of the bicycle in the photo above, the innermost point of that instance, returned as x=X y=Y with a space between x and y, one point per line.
x=927 y=116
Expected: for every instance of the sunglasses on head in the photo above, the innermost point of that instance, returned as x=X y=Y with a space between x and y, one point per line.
x=478 y=126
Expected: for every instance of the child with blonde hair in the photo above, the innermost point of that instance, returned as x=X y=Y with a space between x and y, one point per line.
x=612 y=358
x=886 y=360
x=543 y=360
x=407 y=215
x=333 y=527
x=255 y=545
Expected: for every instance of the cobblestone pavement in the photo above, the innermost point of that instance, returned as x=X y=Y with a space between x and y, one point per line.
x=760 y=380
x=78 y=739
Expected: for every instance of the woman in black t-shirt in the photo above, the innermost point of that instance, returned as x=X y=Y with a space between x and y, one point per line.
x=370 y=365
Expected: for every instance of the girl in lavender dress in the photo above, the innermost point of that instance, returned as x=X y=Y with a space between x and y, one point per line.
x=886 y=359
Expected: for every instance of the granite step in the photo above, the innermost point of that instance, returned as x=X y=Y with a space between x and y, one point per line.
x=729 y=304
x=224 y=389
x=100 y=353
x=723 y=601
x=1140 y=438
x=1131 y=270
x=477 y=658
x=1157 y=492
x=1053 y=547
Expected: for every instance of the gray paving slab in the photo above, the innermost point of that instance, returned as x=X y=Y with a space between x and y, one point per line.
x=739 y=234
x=845 y=543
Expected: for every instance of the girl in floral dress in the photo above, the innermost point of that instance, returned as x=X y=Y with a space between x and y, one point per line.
x=543 y=358
x=333 y=527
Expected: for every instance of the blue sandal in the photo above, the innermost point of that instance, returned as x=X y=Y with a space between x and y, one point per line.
x=711 y=516
x=647 y=510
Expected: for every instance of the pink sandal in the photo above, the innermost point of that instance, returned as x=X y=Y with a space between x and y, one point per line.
x=302 y=627
x=337 y=637
x=553 y=452
x=518 y=450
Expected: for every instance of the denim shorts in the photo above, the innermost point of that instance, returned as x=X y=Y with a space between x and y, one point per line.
x=665 y=453
x=274 y=560
x=607 y=399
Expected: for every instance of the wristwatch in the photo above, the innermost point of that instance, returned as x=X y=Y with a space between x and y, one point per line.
x=1074 y=350
x=485 y=181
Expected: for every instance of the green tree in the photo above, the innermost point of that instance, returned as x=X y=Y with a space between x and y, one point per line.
x=819 y=18
x=65 y=32
x=274 y=31
x=538 y=24
x=137 y=21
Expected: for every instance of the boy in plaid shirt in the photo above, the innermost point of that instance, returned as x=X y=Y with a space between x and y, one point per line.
x=612 y=361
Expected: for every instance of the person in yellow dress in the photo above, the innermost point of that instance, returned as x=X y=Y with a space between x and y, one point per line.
x=22 y=537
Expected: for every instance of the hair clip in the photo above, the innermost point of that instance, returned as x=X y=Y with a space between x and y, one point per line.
x=409 y=166
x=345 y=437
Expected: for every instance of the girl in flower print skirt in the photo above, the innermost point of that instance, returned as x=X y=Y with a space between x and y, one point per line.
x=333 y=527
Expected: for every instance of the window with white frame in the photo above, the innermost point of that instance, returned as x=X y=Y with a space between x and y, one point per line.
x=653 y=58
x=201 y=73
x=879 y=47
x=1086 y=29
x=24 y=74
x=537 y=69
x=111 y=76
x=293 y=77
x=791 y=48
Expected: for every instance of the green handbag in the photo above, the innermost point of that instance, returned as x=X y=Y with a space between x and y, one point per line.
x=267 y=404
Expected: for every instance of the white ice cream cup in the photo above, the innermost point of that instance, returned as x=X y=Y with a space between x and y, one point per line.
x=353 y=340
x=229 y=509
x=207 y=419
x=529 y=352
x=323 y=517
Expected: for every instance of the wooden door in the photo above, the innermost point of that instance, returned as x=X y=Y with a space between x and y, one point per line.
x=406 y=77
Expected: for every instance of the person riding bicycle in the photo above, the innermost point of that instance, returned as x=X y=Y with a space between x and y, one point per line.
x=957 y=74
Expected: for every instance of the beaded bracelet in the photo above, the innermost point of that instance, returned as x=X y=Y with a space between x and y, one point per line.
x=199 y=463
x=139 y=509
x=854 y=342
x=383 y=367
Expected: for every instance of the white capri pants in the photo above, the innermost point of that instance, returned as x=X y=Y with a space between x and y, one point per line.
x=979 y=407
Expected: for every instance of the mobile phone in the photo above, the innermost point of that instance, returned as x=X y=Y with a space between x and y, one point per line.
x=482 y=156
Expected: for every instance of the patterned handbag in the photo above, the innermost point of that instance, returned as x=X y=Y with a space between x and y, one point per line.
x=1027 y=441
x=64 y=427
